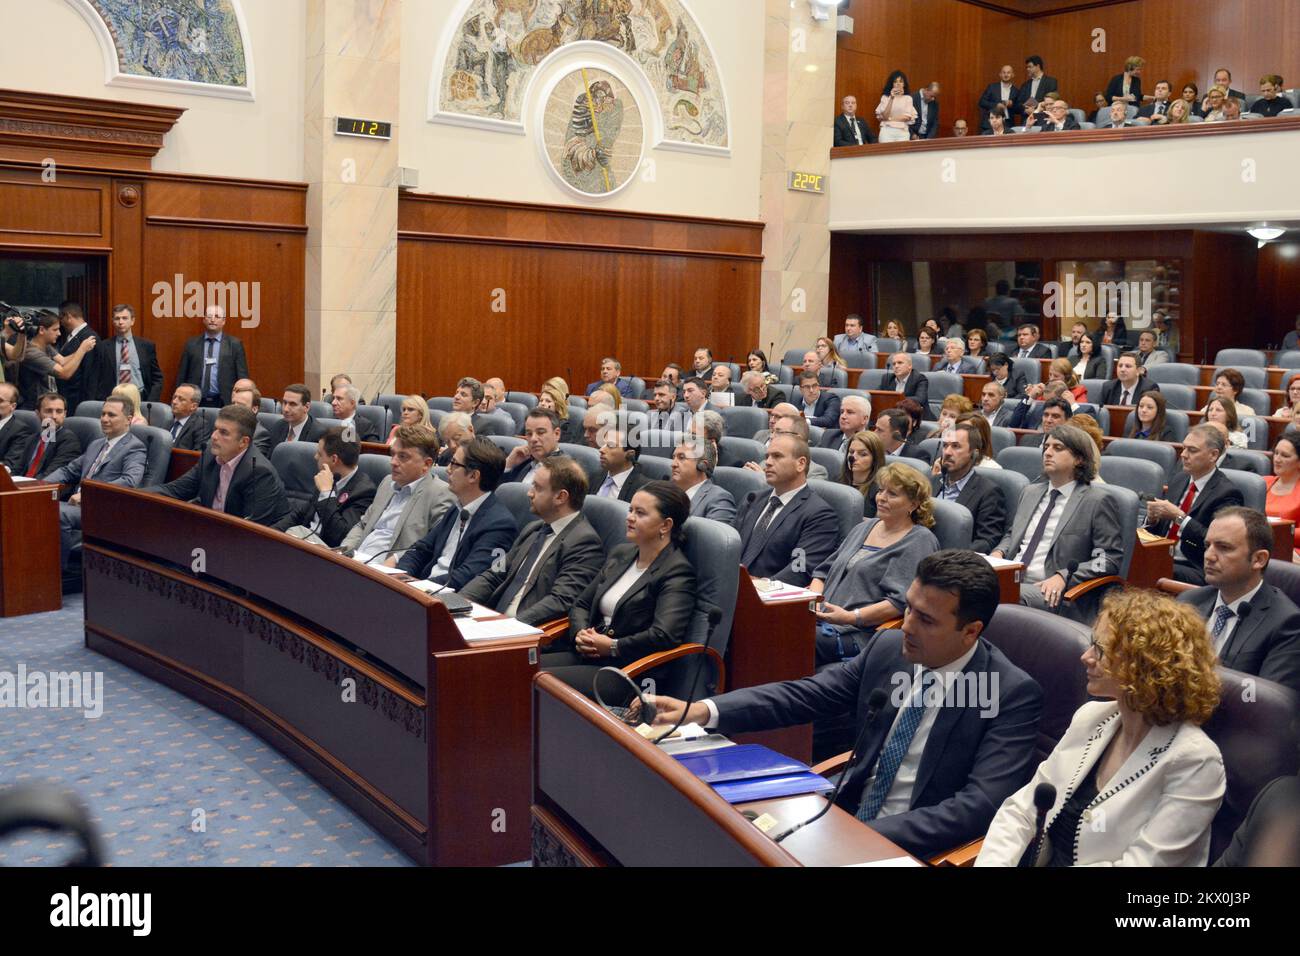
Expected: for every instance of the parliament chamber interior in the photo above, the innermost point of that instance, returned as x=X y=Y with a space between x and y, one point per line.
x=691 y=433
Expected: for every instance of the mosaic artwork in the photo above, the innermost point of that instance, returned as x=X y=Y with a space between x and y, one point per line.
x=499 y=43
x=194 y=40
x=593 y=131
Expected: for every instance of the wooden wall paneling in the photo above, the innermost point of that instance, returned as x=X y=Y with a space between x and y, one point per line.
x=1222 y=310
x=578 y=284
x=69 y=211
x=126 y=280
x=275 y=260
x=1277 y=301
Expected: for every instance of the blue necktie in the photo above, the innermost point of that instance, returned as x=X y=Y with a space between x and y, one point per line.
x=891 y=757
x=210 y=373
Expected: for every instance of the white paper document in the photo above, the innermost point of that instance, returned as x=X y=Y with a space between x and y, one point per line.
x=892 y=861
x=473 y=630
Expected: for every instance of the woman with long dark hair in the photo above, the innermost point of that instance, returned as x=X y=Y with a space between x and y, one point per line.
x=896 y=111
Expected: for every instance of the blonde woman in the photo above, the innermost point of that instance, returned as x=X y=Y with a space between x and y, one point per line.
x=415 y=411
x=551 y=397
x=1180 y=111
x=131 y=394
x=1138 y=782
x=864 y=583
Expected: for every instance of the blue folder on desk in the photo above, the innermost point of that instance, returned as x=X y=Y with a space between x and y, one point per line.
x=753 y=772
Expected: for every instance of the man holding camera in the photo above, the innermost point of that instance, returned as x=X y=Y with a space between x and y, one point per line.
x=43 y=368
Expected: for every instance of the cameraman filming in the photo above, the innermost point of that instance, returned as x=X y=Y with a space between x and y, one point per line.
x=42 y=366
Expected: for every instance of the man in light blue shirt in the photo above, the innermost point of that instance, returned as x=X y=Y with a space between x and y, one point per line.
x=853 y=342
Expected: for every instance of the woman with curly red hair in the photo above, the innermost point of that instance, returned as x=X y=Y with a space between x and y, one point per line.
x=1137 y=781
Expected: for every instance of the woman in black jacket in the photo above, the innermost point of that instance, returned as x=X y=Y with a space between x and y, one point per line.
x=641 y=602
x=1088 y=360
x=1133 y=76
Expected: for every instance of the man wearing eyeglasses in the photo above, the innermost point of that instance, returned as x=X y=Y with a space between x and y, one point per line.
x=1059 y=118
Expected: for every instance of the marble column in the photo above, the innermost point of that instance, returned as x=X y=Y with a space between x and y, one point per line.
x=352 y=70
x=798 y=117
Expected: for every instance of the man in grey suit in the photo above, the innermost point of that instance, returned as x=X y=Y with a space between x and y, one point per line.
x=408 y=503
x=954 y=359
x=854 y=343
x=693 y=465
x=994 y=406
x=1146 y=353
x=1063 y=521
x=116 y=459
x=1254 y=627
x=554 y=559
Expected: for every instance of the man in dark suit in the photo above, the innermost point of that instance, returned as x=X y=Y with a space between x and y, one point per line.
x=1195 y=497
x=893 y=426
x=960 y=481
x=232 y=476
x=1159 y=107
x=126 y=359
x=820 y=407
x=1064 y=530
x=15 y=434
x=788 y=532
x=1033 y=90
x=77 y=387
x=296 y=422
x=555 y=557
x=926 y=101
x=904 y=379
x=934 y=767
x=53 y=445
x=1058 y=118
x=469 y=538
x=1027 y=344
x=1002 y=93
x=995 y=407
x=1004 y=373
x=541 y=439
x=343 y=494
x=855 y=416
x=1129 y=383
x=344 y=402
x=213 y=361
x=620 y=476
x=758 y=394
x=1254 y=627
x=189 y=429
x=851 y=129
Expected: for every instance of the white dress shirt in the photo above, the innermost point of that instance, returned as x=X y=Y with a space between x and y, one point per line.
x=619 y=480
x=609 y=600
x=443 y=566
x=1037 y=571
x=1230 y=624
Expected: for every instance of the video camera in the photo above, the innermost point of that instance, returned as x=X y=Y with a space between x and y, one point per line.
x=23 y=321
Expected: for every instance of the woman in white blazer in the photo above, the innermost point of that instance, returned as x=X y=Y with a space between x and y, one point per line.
x=1137 y=781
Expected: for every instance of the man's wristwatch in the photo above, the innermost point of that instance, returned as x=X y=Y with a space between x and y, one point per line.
x=613 y=648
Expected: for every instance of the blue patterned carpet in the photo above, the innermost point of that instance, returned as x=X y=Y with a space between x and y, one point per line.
x=152 y=760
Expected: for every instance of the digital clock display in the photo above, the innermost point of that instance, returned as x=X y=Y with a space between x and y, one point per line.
x=370 y=129
x=808 y=182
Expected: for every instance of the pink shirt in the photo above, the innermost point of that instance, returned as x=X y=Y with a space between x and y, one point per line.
x=223 y=483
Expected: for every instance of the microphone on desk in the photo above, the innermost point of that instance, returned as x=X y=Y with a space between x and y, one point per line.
x=1044 y=797
x=875 y=702
x=715 y=615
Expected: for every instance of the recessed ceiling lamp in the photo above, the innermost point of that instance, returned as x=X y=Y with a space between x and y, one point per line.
x=1266 y=233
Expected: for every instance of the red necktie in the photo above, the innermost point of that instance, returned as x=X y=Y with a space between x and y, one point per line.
x=124 y=367
x=1185 y=507
x=35 y=466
